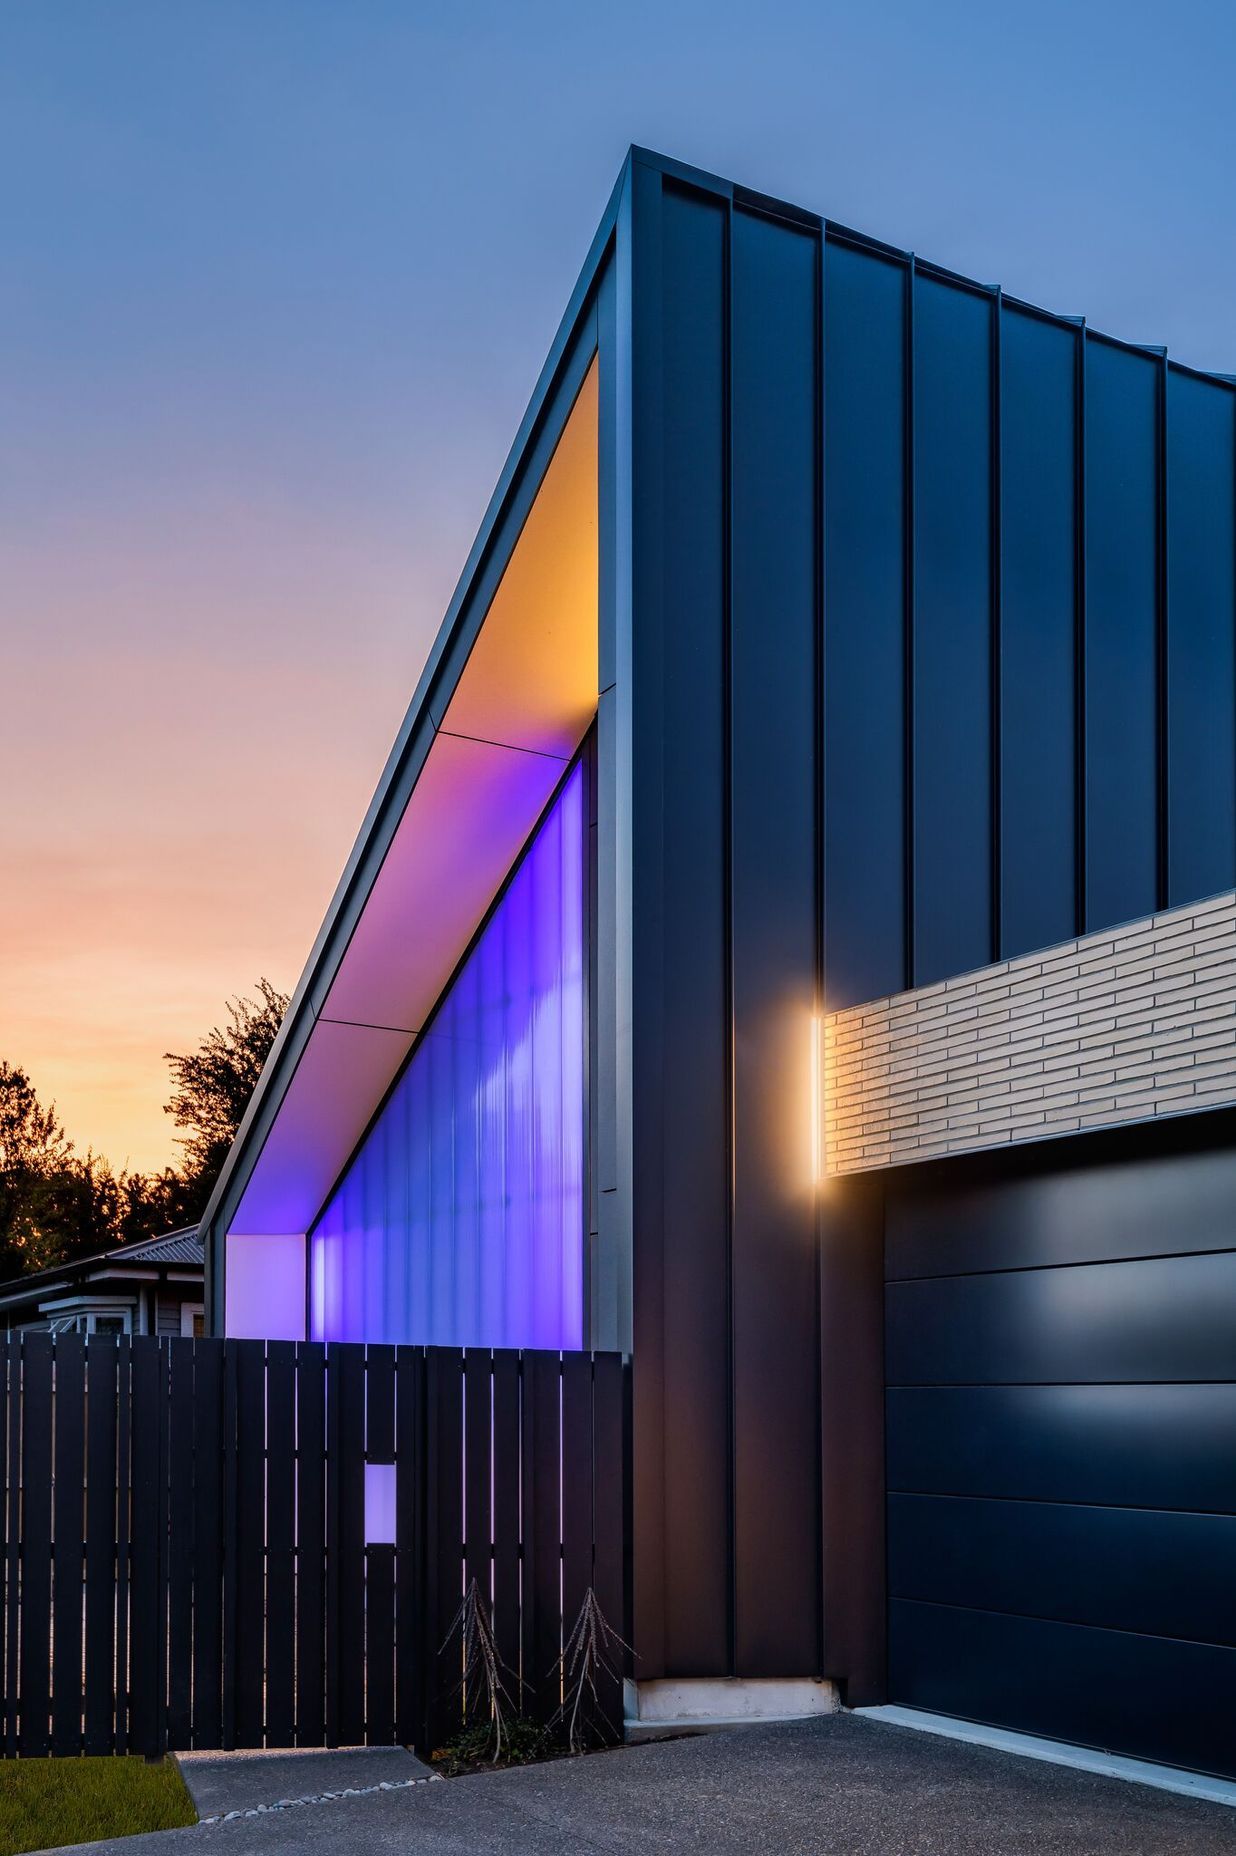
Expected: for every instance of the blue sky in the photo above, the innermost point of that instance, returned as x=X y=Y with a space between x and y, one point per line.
x=275 y=283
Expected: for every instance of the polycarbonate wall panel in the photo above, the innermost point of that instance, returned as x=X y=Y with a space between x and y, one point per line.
x=460 y=1221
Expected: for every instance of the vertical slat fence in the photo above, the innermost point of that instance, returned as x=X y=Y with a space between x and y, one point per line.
x=245 y=1543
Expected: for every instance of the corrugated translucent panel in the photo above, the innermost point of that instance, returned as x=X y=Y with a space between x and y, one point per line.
x=460 y=1222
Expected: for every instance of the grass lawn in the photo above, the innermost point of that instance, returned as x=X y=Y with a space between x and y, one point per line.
x=46 y=1802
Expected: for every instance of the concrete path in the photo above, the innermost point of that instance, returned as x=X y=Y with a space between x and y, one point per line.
x=223 y=1782
x=832 y=1787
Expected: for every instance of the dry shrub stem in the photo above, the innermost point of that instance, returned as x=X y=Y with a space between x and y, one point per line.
x=592 y=1651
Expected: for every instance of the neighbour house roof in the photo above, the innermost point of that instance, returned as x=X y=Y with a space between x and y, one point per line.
x=183 y=1249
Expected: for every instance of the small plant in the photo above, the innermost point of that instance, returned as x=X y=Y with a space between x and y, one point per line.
x=488 y=1711
x=523 y=1743
x=592 y=1654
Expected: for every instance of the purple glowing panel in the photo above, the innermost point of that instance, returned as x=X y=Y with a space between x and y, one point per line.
x=460 y=1222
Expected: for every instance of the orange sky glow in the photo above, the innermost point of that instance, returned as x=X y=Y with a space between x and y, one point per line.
x=195 y=792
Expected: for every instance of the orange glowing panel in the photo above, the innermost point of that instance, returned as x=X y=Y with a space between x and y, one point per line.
x=531 y=678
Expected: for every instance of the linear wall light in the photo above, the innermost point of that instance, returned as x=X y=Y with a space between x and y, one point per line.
x=817 y=1100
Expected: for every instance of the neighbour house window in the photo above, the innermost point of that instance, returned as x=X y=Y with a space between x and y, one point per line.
x=88 y=1321
x=460 y=1220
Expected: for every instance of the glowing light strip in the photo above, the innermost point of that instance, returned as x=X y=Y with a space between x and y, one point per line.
x=817 y=1099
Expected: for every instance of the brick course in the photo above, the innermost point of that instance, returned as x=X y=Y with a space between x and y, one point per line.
x=1126 y=1024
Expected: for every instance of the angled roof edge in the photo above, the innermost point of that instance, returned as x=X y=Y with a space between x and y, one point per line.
x=417 y=730
x=842 y=234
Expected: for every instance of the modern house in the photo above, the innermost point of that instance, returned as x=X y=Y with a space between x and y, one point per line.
x=794 y=942
x=150 y=1287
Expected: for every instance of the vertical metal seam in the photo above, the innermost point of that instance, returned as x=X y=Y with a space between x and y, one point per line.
x=727 y=887
x=1079 y=633
x=908 y=628
x=1162 y=835
x=995 y=687
x=590 y=1196
x=818 y=749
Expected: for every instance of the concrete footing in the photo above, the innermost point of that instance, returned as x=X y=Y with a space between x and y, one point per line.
x=669 y=1706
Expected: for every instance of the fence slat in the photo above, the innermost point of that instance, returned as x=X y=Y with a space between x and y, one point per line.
x=576 y=1485
x=250 y=1560
x=542 y=1615
x=124 y=1517
x=410 y=1657
x=444 y=1553
x=148 y=1594
x=310 y=1543
x=609 y=1455
x=478 y=1556
x=11 y=1443
x=345 y=1390
x=102 y=1502
x=36 y=1455
x=68 y=1554
x=181 y=1547
x=506 y=1521
x=280 y=1542
x=380 y=1557
x=208 y=1526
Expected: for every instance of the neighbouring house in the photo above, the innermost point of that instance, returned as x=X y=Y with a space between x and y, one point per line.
x=793 y=942
x=151 y=1287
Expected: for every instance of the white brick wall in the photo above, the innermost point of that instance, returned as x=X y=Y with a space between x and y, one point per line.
x=1125 y=1025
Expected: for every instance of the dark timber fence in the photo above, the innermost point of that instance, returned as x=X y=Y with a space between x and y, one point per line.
x=187 y=1560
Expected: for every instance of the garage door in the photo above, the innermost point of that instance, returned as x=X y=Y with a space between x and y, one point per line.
x=1061 y=1436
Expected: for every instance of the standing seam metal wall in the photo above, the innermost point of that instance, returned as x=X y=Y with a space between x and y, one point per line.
x=1058 y=514
x=929 y=633
x=724 y=921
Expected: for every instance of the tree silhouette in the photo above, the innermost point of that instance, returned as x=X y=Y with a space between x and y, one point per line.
x=56 y=1204
x=211 y=1086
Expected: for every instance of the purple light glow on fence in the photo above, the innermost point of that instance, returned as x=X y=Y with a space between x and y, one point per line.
x=460 y=1222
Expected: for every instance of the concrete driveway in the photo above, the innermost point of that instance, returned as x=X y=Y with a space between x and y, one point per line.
x=833 y=1787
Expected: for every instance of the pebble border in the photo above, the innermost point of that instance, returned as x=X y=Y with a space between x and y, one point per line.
x=350 y=1791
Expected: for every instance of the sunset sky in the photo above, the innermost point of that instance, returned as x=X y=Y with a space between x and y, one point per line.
x=276 y=279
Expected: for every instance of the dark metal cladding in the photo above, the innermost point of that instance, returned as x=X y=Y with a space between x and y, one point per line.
x=1200 y=662
x=696 y=1112
x=864 y=724
x=953 y=538
x=773 y=940
x=930 y=640
x=1038 y=632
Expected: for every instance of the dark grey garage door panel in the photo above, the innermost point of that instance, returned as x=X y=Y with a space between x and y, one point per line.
x=1145 y=1696
x=1060 y=1412
x=1172 y=1318
x=1158 y=1446
x=1165 y=1575
x=1139 y=1208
